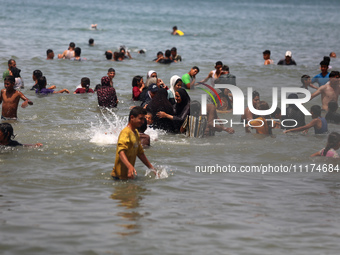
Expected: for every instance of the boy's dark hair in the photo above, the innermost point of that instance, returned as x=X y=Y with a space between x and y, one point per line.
x=135 y=80
x=42 y=83
x=333 y=106
x=143 y=127
x=37 y=74
x=10 y=78
x=72 y=44
x=195 y=67
x=111 y=70
x=327 y=59
x=316 y=109
x=334 y=74
x=49 y=51
x=266 y=52
x=108 y=55
x=10 y=61
x=175 y=27
x=304 y=78
x=85 y=83
x=324 y=63
x=136 y=111
x=7 y=130
x=15 y=72
x=255 y=94
x=167 y=53
x=159 y=53
x=91 y=41
x=225 y=68
x=77 y=52
x=219 y=63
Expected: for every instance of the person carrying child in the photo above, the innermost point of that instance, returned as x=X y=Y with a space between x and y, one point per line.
x=9 y=97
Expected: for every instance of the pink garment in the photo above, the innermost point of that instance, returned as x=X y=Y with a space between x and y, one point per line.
x=331 y=153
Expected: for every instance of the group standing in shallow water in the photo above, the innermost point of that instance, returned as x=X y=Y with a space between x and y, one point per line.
x=170 y=108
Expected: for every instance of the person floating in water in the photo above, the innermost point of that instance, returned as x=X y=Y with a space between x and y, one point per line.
x=333 y=144
x=10 y=99
x=175 y=31
x=44 y=91
x=6 y=135
x=129 y=147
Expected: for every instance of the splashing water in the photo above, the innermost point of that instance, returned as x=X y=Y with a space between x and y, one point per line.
x=161 y=172
x=109 y=128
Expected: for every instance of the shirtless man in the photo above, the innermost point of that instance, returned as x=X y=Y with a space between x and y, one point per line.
x=266 y=57
x=10 y=98
x=68 y=54
x=330 y=91
x=214 y=74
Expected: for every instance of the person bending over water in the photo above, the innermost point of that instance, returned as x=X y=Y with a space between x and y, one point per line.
x=333 y=144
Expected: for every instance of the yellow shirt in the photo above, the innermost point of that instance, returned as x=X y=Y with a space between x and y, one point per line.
x=179 y=32
x=129 y=142
x=264 y=130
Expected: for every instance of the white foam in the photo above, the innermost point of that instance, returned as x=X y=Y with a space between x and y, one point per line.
x=107 y=130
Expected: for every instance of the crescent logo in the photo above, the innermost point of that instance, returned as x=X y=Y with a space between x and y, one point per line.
x=208 y=92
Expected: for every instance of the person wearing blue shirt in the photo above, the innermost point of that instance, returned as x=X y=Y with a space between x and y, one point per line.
x=323 y=77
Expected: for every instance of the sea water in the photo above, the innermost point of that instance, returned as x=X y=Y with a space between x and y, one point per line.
x=60 y=198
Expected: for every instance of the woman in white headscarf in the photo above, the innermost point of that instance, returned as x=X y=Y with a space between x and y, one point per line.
x=175 y=84
x=152 y=74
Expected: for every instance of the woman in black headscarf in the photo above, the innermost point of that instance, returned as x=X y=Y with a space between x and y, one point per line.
x=160 y=103
x=182 y=109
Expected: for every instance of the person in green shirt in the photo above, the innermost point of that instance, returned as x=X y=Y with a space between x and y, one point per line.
x=189 y=79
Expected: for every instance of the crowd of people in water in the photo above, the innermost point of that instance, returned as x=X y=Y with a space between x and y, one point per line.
x=170 y=108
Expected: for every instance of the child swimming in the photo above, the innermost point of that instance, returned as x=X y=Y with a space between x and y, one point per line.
x=6 y=135
x=333 y=144
x=43 y=90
